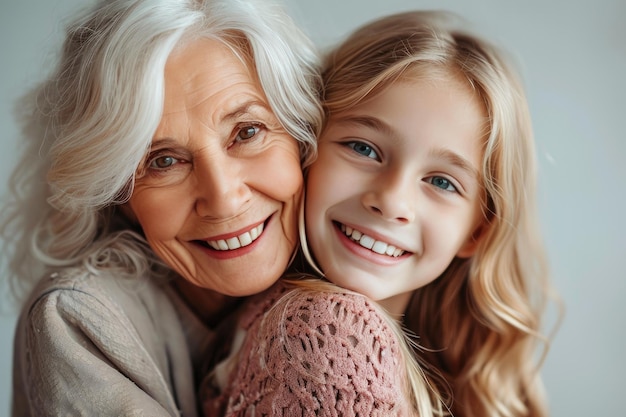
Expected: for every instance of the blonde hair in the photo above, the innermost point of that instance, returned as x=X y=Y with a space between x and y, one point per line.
x=89 y=126
x=480 y=320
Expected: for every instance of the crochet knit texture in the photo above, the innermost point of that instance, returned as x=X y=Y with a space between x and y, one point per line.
x=314 y=354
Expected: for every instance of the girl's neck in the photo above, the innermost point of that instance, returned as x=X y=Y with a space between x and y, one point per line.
x=397 y=304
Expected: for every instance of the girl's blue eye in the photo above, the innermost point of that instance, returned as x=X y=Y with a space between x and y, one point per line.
x=163 y=162
x=247 y=132
x=363 y=149
x=442 y=183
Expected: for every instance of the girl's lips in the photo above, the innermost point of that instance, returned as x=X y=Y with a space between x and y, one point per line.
x=365 y=254
x=378 y=246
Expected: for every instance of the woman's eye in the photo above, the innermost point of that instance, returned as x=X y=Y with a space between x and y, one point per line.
x=247 y=132
x=163 y=162
x=363 y=149
x=441 y=182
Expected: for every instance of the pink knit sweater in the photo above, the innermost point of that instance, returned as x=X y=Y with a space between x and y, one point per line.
x=314 y=354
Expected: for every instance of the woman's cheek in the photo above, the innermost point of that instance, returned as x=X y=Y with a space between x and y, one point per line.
x=282 y=181
x=292 y=187
x=159 y=212
x=282 y=172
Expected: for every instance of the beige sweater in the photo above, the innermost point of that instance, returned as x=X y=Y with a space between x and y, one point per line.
x=90 y=345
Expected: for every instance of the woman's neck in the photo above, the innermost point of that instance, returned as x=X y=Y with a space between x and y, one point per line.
x=211 y=307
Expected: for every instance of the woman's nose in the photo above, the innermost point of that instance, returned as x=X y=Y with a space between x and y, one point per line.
x=393 y=198
x=222 y=190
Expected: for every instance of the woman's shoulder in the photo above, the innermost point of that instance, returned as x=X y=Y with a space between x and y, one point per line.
x=123 y=337
x=63 y=286
x=93 y=302
x=103 y=285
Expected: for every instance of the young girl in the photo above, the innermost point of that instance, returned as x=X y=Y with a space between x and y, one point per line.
x=421 y=199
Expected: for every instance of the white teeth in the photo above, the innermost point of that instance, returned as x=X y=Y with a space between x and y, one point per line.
x=233 y=243
x=368 y=242
x=238 y=241
x=380 y=247
x=245 y=239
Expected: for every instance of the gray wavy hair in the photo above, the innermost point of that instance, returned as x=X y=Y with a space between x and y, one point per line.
x=88 y=127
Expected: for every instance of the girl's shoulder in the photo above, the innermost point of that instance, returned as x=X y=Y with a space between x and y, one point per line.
x=310 y=305
x=319 y=347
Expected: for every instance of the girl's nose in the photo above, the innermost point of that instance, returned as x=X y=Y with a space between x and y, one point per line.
x=393 y=198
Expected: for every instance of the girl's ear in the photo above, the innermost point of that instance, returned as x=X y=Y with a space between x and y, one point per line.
x=469 y=247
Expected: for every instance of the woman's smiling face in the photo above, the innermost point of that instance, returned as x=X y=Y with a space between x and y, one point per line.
x=217 y=196
x=395 y=193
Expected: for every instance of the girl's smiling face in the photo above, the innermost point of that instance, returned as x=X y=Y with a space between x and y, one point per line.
x=217 y=196
x=395 y=193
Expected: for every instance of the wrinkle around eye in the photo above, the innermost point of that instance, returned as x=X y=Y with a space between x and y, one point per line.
x=174 y=171
x=260 y=140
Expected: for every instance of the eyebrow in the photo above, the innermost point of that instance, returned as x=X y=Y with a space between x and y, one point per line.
x=388 y=131
x=162 y=142
x=246 y=109
x=369 y=122
x=456 y=160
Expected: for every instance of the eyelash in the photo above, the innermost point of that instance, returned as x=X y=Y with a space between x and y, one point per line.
x=152 y=166
x=168 y=153
x=431 y=179
x=243 y=126
x=153 y=162
x=354 y=143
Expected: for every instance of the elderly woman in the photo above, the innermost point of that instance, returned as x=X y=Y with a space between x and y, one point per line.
x=160 y=182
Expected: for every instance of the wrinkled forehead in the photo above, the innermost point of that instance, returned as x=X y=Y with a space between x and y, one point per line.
x=234 y=40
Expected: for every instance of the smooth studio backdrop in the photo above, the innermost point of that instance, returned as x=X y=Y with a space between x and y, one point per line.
x=572 y=55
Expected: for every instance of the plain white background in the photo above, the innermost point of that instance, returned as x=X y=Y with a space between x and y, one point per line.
x=572 y=55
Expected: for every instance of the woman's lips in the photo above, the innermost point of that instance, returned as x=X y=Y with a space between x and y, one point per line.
x=237 y=242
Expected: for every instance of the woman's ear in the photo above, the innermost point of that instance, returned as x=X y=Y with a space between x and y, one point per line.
x=469 y=247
